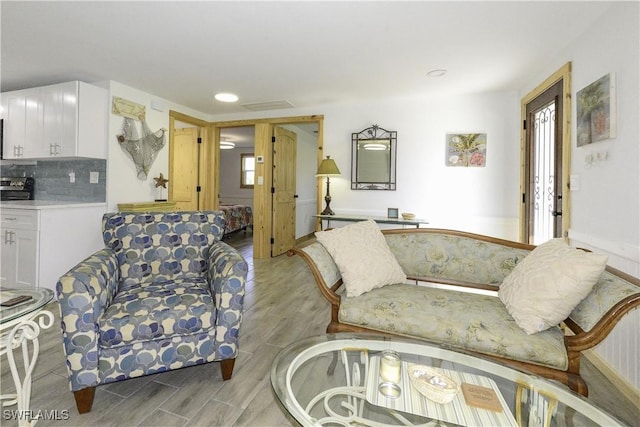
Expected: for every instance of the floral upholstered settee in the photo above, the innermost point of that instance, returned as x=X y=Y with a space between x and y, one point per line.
x=434 y=302
x=164 y=293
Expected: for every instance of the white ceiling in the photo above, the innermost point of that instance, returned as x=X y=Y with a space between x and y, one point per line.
x=307 y=53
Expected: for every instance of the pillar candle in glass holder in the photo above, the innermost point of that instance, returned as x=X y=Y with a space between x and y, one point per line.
x=390 y=366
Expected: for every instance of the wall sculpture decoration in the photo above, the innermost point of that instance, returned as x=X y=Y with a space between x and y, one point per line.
x=142 y=150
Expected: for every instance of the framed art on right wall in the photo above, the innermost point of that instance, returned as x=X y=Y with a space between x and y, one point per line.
x=596 y=111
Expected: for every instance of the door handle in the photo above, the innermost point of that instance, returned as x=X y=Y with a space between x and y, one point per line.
x=295 y=196
x=556 y=213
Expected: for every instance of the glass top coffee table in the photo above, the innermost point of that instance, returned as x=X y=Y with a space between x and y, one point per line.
x=340 y=379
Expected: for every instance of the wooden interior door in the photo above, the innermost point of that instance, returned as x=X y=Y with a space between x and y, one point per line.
x=184 y=169
x=283 y=191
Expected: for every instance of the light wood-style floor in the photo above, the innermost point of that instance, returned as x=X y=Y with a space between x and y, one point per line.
x=282 y=305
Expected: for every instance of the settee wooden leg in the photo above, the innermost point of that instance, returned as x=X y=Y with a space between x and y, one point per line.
x=84 y=399
x=226 y=366
x=578 y=384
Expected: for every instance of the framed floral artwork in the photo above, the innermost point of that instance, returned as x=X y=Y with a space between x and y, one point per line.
x=466 y=149
x=596 y=112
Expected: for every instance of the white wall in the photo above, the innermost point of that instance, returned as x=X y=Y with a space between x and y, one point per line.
x=482 y=200
x=605 y=211
x=123 y=185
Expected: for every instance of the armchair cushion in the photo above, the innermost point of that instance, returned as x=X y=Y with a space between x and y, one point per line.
x=149 y=311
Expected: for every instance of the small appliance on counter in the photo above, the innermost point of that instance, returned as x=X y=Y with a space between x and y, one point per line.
x=17 y=188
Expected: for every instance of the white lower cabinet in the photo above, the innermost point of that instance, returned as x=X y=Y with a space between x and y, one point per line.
x=19 y=233
x=40 y=245
x=25 y=245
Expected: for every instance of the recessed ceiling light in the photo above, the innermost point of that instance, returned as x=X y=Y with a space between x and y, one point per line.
x=226 y=97
x=437 y=73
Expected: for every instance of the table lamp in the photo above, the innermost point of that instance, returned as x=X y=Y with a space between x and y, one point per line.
x=328 y=168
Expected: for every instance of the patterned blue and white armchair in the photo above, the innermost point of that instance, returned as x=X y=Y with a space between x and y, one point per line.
x=165 y=293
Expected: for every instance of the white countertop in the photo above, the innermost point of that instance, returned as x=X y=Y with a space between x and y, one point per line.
x=47 y=204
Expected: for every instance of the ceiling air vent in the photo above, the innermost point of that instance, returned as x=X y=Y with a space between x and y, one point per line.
x=268 y=105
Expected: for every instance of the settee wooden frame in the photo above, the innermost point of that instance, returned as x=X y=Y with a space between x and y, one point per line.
x=576 y=340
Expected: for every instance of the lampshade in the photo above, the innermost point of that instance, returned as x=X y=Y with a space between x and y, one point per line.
x=328 y=167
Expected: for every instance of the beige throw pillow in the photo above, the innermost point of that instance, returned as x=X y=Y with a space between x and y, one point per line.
x=545 y=287
x=363 y=257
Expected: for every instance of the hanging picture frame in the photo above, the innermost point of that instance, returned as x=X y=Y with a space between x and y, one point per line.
x=596 y=111
x=466 y=149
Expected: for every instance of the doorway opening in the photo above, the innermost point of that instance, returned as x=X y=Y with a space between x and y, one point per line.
x=237 y=166
x=272 y=235
x=545 y=160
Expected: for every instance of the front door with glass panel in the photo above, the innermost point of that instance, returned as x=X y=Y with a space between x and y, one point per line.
x=543 y=197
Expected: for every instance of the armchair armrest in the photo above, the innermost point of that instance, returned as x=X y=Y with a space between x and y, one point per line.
x=84 y=293
x=227 y=277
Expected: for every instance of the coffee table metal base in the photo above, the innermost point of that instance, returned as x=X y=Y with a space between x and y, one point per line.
x=19 y=331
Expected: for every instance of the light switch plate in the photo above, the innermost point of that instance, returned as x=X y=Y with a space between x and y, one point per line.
x=574 y=182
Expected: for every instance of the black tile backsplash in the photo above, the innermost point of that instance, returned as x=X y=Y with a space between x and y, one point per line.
x=52 y=179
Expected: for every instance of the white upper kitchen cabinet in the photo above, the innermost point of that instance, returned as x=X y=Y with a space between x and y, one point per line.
x=21 y=111
x=63 y=120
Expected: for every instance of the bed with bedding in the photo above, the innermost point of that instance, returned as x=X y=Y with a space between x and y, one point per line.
x=237 y=217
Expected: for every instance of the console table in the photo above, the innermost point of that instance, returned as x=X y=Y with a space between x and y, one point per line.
x=147 y=207
x=378 y=219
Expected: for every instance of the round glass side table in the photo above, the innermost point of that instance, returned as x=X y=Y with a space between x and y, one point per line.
x=20 y=326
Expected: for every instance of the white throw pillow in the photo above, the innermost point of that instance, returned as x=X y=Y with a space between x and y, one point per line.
x=363 y=257
x=545 y=287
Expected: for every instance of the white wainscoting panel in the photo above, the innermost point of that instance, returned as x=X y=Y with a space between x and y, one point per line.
x=305 y=222
x=621 y=349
